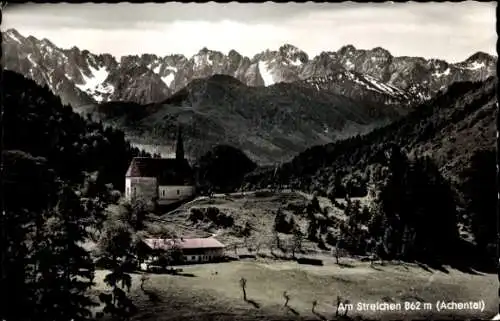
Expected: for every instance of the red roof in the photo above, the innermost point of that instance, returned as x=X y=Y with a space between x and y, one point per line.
x=197 y=243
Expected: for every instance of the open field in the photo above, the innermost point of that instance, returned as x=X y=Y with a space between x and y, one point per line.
x=203 y=295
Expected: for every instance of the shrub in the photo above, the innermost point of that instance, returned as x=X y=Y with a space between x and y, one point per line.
x=296 y=208
x=331 y=239
x=196 y=215
x=211 y=215
x=305 y=260
x=283 y=223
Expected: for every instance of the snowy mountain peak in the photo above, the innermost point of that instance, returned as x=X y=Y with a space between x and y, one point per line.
x=481 y=57
x=293 y=55
x=12 y=34
x=82 y=77
x=288 y=49
x=233 y=53
x=347 y=50
x=381 y=52
x=47 y=42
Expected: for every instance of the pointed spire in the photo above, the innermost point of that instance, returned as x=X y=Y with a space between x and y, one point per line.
x=179 y=148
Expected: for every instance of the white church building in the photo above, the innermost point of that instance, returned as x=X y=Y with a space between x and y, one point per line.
x=162 y=180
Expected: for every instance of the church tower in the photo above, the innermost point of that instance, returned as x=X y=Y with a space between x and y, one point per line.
x=179 y=148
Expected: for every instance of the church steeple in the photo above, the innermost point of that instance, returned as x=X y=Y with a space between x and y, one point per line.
x=179 y=148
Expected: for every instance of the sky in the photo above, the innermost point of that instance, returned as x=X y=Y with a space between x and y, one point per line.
x=450 y=31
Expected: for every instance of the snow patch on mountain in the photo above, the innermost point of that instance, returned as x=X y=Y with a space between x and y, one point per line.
x=168 y=79
x=94 y=84
x=441 y=74
x=476 y=65
x=349 y=65
x=197 y=61
x=296 y=62
x=266 y=75
x=97 y=76
x=354 y=78
x=383 y=87
x=13 y=37
x=31 y=60
x=48 y=48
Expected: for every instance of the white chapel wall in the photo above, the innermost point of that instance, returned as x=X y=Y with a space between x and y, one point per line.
x=175 y=192
x=140 y=187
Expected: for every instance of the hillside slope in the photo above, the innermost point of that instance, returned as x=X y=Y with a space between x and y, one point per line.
x=270 y=124
x=449 y=128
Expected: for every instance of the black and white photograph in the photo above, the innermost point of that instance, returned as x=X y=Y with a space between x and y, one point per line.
x=249 y=161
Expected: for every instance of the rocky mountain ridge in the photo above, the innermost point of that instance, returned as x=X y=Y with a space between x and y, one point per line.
x=80 y=77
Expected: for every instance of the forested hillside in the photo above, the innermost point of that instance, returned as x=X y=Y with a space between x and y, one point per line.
x=444 y=174
x=450 y=128
x=38 y=124
x=60 y=171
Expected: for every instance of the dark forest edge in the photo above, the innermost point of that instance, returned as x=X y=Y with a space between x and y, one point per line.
x=62 y=170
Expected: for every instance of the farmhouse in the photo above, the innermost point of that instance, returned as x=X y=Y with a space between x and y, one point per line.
x=162 y=180
x=192 y=250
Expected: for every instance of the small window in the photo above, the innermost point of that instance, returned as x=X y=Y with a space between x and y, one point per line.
x=163 y=193
x=135 y=190
x=192 y=257
x=178 y=192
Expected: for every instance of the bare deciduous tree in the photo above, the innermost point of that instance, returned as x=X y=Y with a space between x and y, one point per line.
x=257 y=248
x=243 y=284
x=339 y=302
x=298 y=236
x=337 y=252
x=286 y=297
x=277 y=240
x=144 y=278
x=344 y=303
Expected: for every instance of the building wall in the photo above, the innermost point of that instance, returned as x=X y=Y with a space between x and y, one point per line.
x=201 y=256
x=140 y=187
x=173 y=192
x=128 y=189
x=204 y=256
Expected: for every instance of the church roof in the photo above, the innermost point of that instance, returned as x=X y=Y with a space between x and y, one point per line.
x=195 y=243
x=168 y=171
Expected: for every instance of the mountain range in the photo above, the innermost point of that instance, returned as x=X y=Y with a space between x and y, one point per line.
x=80 y=77
x=272 y=106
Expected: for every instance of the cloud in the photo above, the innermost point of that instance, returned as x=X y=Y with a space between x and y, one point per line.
x=412 y=29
